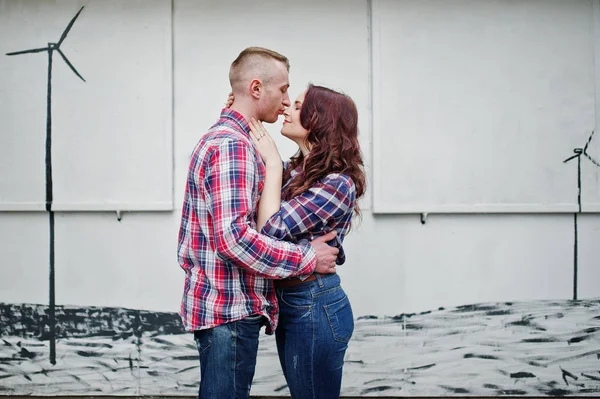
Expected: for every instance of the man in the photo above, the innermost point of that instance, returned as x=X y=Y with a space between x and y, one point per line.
x=228 y=293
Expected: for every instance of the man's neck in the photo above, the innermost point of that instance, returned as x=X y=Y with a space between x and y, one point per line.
x=246 y=111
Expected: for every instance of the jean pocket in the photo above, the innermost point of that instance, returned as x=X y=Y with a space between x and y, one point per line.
x=341 y=319
x=299 y=300
x=203 y=339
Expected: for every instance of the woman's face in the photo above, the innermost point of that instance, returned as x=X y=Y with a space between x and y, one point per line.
x=292 y=128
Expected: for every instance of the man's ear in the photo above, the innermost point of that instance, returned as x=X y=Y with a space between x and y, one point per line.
x=256 y=88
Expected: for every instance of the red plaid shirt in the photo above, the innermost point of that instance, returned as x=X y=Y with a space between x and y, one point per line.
x=228 y=264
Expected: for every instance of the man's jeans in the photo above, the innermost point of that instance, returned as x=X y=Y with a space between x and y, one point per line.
x=228 y=358
x=315 y=325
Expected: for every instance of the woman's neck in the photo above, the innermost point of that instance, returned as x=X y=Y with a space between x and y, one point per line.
x=302 y=145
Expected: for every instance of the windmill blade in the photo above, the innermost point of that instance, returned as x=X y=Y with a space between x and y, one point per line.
x=64 y=57
x=33 y=50
x=573 y=157
x=588 y=142
x=592 y=160
x=66 y=32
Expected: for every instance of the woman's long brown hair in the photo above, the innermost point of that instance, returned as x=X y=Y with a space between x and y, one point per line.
x=331 y=119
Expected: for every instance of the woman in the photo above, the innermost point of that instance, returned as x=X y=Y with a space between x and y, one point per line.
x=322 y=183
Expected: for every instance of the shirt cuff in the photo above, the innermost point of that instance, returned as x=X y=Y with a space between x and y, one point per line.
x=275 y=227
x=309 y=260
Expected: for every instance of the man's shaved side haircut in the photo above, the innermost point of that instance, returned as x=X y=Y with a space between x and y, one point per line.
x=257 y=61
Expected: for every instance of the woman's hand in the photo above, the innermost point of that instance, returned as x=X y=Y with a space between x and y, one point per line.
x=265 y=145
x=230 y=99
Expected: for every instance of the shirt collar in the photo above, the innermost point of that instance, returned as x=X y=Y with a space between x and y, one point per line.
x=293 y=173
x=237 y=118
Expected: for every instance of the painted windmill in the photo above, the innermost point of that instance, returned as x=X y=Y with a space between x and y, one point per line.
x=578 y=153
x=50 y=50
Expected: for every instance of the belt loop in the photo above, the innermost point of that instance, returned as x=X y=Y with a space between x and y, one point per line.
x=320 y=280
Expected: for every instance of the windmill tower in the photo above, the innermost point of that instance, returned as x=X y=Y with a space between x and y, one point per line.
x=50 y=49
x=578 y=153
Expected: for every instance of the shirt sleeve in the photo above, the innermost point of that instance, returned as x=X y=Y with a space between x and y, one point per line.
x=229 y=182
x=314 y=210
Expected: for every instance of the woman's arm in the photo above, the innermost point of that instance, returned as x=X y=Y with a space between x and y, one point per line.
x=270 y=199
x=328 y=202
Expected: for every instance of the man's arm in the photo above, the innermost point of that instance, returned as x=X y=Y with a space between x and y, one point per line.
x=229 y=183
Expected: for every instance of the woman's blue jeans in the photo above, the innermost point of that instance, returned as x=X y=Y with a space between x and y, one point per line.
x=315 y=325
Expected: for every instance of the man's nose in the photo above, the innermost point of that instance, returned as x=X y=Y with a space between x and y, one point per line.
x=286 y=100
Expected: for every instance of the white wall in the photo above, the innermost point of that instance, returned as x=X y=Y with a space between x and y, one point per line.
x=123 y=96
x=484 y=106
x=395 y=263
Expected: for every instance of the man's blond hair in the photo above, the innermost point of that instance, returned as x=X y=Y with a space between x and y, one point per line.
x=257 y=61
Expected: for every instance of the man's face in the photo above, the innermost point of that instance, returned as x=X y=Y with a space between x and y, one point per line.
x=275 y=98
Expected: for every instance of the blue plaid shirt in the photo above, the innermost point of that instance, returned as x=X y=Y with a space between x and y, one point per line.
x=326 y=206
